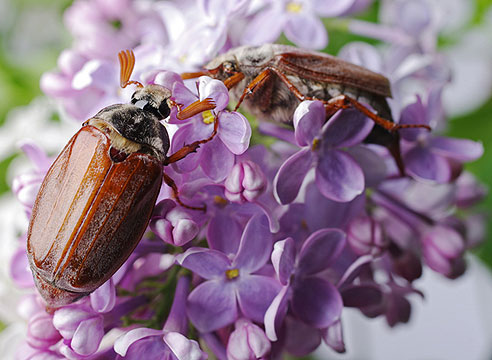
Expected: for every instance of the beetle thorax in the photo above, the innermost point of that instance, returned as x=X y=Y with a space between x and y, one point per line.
x=118 y=141
x=132 y=129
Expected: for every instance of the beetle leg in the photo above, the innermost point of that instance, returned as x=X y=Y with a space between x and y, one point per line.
x=233 y=80
x=255 y=85
x=170 y=182
x=193 y=75
x=344 y=102
x=195 y=108
x=191 y=148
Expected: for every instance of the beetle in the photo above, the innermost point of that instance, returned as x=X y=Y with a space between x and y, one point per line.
x=97 y=198
x=272 y=79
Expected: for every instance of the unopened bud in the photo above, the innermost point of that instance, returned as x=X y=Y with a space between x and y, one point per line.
x=366 y=237
x=245 y=182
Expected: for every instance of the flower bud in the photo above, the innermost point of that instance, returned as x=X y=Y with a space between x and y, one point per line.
x=245 y=182
x=366 y=237
x=41 y=333
x=333 y=337
x=443 y=248
x=248 y=341
x=172 y=224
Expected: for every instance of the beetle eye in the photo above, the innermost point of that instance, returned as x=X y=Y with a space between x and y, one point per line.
x=164 y=109
x=229 y=67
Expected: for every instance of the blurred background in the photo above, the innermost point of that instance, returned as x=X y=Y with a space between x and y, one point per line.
x=456 y=314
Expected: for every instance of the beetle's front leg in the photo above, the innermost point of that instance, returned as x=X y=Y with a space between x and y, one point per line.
x=193 y=109
x=191 y=148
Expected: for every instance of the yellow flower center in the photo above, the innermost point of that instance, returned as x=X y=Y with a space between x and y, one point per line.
x=219 y=200
x=208 y=117
x=294 y=7
x=182 y=59
x=315 y=144
x=232 y=273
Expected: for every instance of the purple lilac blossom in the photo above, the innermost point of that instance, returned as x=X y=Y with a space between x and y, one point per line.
x=216 y=158
x=338 y=176
x=348 y=231
x=299 y=20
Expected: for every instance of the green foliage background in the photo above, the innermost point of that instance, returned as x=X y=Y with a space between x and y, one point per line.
x=19 y=84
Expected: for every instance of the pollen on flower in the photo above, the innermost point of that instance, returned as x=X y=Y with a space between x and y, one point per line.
x=294 y=7
x=208 y=117
x=315 y=144
x=219 y=200
x=232 y=273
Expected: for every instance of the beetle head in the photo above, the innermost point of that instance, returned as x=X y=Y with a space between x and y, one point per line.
x=153 y=98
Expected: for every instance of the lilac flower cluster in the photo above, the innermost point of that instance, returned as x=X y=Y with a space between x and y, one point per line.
x=293 y=232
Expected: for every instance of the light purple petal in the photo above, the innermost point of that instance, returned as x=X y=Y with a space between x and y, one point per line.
x=185 y=135
x=413 y=16
x=212 y=305
x=167 y=79
x=255 y=294
x=346 y=128
x=67 y=319
x=329 y=213
x=184 y=231
x=373 y=165
x=88 y=336
x=20 y=269
x=177 y=320
x=182 y=347
x=332 y=8
x=333 y=337
x=122 y=344
x=214 y=89
x=316 y=302
x=224 y=233
x=216 y=160
x=457 y=149
x=206 y=263
x=35 y=154
x=423 y=164
x=234 y=131
x=339 y=177
x=150 y=347
x=104 y=297
x=182 y=95
x=306 y=31
x=265 y=27
x=447 y=240
x=308 y=118
x=163 y=229
x=362 y=54
x=320 y=250
x=291 y=174
x=274 y=316
x=256 y=245
x=247 y=341
x=414 y=113
x=283 y=259
x=40 y=331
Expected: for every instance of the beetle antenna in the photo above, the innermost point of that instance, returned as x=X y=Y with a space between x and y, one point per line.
x=127 y=63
